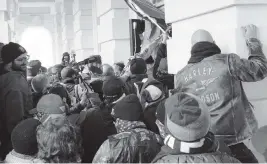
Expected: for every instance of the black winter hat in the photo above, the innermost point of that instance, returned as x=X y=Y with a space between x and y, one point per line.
x=11 y=51
x=65 y=54
x=67 y=73
x=129 y=108
x=23 y=137
x=112 y=86
x=138 y=66
x=60 y=90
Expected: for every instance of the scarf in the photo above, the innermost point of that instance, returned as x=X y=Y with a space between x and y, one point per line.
x=204 y=145
x=123 y=125
x=202 y=50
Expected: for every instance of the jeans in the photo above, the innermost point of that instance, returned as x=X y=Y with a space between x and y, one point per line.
x=242 y=153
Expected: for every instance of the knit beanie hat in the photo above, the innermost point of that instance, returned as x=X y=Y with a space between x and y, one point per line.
x=188 y=119
x=121 y=65
x=138 y=66
x=129 y=108
x=33 y=67
x=23 y=137
x=39 y=83
x=51 y=104
x=11 y=51
x=67 y=73
x=113 y=87
x=61 y=91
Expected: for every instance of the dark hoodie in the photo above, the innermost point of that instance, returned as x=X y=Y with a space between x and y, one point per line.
x=96 y=128
x=15 y=102
x=132 y=80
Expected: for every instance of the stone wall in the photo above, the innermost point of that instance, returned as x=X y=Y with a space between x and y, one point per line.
x=113 y=30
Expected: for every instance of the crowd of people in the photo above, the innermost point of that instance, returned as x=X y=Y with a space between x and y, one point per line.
x=100 y=113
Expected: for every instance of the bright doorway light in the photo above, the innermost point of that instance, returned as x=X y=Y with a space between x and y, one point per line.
x=38 y=43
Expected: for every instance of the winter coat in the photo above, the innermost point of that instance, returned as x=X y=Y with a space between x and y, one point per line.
x=217 y=81
x=138 y=145
x=209 y=151
x=95 y=129
x=15 y=103
x=14 y=157
x=214 y=157
x=151 y=107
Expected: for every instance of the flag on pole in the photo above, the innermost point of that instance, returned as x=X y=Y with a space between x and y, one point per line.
x=149 y=12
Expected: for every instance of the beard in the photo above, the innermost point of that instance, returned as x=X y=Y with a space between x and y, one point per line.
x=21 y=68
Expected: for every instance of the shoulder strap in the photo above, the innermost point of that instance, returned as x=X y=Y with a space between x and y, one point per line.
x=76 y=92
x=137 y=91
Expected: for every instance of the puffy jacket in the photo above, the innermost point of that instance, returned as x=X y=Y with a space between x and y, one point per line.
x=215 y=157
x=15 y=103
x=217 y=81
x=136 y=146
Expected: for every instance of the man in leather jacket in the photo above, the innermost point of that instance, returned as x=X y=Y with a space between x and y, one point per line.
x=216 y=78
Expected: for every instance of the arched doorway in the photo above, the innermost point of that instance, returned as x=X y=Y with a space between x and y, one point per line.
x=39 y=45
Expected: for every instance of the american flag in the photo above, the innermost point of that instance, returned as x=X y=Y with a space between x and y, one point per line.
x=149 y=12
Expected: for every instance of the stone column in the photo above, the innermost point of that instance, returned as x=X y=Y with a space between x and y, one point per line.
x=67 y=25
x=83 y=29
x=4 y=35
x=113 y=30
x=95 y=27
x=223 y=19
x=58 y=33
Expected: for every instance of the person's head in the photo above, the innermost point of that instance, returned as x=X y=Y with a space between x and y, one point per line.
x=34 y=67
x=118 y=68
x=151 y=95
x=23 y=137
x=61 y=91
x=43 y=70
x=113 y=89
x=56 y=72
x=129 y=109
x=66 y=58
x=187 y=117
x=97 y=86
x=59 y=141
x=14 y=57
x=68 y=74
x=201 y=36
x=107 y=70
x=40 y=83
x=94 y=64
x=138 y=66
x=51 y=106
